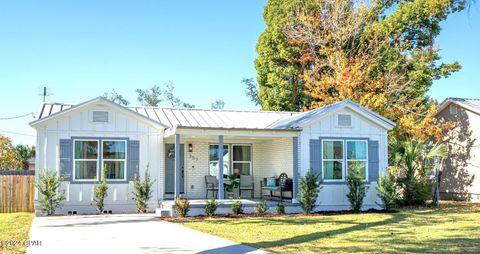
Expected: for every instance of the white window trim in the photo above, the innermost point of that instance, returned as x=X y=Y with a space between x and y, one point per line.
x=365 y=160
x=249 y=162
x=124 y=160
x=75 y=160
x=342 y=160
x=453 y=109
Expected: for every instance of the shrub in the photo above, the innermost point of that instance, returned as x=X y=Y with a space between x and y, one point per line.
x=237 y=207
x=210 y=207
x=182 y=206
x=356 y=188
x=309 y=189
x=142 y=191
x=261 y=207
x=280 y=208
x=387 y=191
x=100 y=192
x=47 y=186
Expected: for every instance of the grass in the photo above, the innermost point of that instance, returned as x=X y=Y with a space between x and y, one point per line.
x=14 y=226
x=454 y=228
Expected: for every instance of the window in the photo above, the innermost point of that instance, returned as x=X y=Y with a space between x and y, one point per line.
x=85 y=160
x=357 y=156
x=213 y=159
x=453 y=109
x=114 y=159
x=344 y=120
x=332 y=159
x=242 y=159
x=100 y=116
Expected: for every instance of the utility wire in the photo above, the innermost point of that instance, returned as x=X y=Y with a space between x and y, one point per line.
x=17 y=133
x=16 y=117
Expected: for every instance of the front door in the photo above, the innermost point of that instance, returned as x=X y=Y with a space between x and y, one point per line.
x=170 y=169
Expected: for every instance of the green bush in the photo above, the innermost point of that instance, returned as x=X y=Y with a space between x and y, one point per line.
x=356 y=188
x=47 y=186
x=309 y=188
x=182 y=206
x=261 y=207
x=387 y=191
x=100 y=192
x=416 y=191
x=210 y=207
x=280 y=208
x=142 y=191
x=237 y=207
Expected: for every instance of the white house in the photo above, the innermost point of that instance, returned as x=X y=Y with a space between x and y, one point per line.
x=181 y=146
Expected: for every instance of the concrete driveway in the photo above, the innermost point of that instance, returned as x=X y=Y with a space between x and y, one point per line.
x=124 y=234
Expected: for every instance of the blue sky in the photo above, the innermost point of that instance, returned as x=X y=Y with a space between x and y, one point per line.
x=81 y=49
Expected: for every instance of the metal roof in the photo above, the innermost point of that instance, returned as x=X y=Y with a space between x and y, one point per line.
x=229 y=119
x=471 y=104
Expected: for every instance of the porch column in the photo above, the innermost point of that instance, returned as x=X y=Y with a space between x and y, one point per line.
x=295 y=169
x=221 y=194
x=178 y=169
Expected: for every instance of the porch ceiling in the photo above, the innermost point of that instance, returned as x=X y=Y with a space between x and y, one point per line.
x=237 y=133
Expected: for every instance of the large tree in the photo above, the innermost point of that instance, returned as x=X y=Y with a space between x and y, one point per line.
x=379 y=53
x=8 y=155
x=24 y=153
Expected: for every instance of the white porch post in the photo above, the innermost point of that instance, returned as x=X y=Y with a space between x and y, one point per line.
x=221 y=194
x=177 y=165
x=295 y=169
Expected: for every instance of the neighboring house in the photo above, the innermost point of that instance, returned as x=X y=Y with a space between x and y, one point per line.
x=31 y=163
x=181 y=146
x=461 y=170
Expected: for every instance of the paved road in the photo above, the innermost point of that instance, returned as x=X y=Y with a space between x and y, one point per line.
x=131 y=234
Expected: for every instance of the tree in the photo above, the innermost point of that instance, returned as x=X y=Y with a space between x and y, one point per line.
x=378 y=53
x=252 y=90
x=217 y=104
x=8 y=155
x=116 y=97
x=24 y=153
x=174 y=101
x=100 y=192
x=48 y=188
x=142 y=191
x=150 y=97
x=309 y=188
x=356 y=187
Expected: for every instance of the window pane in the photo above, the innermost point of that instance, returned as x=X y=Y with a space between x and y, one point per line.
x=86 y=149
x=356 y=150
x=213 y=168
x=332 y=170
x=86 y=170
x=242 y=153
x=333 y=149
x=114 y=149
x=115 y=169
x=360 y=166
x=213 y=151
x=241 y=168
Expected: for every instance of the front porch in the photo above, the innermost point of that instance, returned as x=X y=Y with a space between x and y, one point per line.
x=167 y=208
x=192 y=155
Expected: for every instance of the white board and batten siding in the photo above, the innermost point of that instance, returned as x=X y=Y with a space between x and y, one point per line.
x=333 y=196
x=79 y=196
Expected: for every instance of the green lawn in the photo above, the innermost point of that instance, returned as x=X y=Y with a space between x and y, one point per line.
x=14 y=226
x=454 y=228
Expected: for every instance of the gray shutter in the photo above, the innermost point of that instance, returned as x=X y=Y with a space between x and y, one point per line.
x=133 y=158
x=373 y=161
x=66 y=158
x=316 y=156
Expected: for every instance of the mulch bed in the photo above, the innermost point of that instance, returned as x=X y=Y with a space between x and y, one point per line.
x=269 y=215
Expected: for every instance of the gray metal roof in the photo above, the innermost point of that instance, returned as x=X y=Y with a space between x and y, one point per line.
x=231 y=119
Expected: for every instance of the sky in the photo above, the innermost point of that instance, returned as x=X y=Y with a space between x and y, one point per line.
x=81 y=49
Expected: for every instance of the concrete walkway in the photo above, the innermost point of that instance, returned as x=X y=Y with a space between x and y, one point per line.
x=124 y=234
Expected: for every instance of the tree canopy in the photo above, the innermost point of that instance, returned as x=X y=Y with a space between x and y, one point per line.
x=8 y=155
x=378 y=53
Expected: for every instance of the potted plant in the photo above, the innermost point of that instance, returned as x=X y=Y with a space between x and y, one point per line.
x=232 y=184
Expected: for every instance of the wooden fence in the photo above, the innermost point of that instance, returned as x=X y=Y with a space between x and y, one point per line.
x=16 y=192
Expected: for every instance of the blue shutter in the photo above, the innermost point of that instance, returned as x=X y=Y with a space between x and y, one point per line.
x=373 y=161
x=133 y=159
x=66 y=158
x=316 y=156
